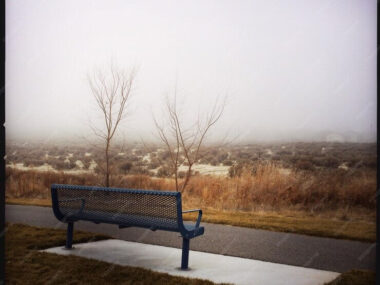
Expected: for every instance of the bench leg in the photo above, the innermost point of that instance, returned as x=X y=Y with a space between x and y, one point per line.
x=185 y=253
x=69 y=237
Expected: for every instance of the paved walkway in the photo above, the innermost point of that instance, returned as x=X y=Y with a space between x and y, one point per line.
x=292 y=249
x=214 y=267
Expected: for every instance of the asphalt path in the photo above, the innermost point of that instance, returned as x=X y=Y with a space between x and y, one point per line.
x=285 y=248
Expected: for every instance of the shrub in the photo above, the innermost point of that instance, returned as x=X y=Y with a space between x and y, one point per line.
x=304 y=165
x=163 y=172
x=126 y=167
x=227 y=163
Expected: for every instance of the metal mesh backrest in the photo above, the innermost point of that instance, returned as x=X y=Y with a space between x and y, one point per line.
x=153 y=209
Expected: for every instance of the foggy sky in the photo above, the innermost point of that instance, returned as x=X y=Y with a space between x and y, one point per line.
x=292 y=70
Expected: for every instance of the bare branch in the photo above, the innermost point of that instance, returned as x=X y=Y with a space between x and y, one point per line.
x=182 y=140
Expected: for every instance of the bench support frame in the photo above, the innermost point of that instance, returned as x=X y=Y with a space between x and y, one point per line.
x=185 y=253
x=69 y=236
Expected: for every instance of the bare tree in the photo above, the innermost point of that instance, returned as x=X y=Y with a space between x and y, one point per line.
x=111 y=92
x=184 y=144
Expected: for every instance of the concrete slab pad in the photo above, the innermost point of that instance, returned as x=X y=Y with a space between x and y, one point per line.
x=213 y=267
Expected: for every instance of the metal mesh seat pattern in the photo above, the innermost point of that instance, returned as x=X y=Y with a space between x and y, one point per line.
x=150 y=209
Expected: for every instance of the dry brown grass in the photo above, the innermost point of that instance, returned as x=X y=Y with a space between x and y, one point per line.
x=326 y=203
x=355 y=277
x=269 y=188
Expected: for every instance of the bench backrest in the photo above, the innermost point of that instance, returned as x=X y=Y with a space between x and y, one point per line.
x=125 y=207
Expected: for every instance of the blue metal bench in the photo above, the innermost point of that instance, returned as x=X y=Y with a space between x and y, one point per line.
x=155 y=210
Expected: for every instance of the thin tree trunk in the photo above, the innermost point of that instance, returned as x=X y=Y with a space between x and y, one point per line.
x=188 y=175
x=107 y=166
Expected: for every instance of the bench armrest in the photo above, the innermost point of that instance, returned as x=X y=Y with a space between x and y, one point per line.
x=76 y=199
x=199 y=215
